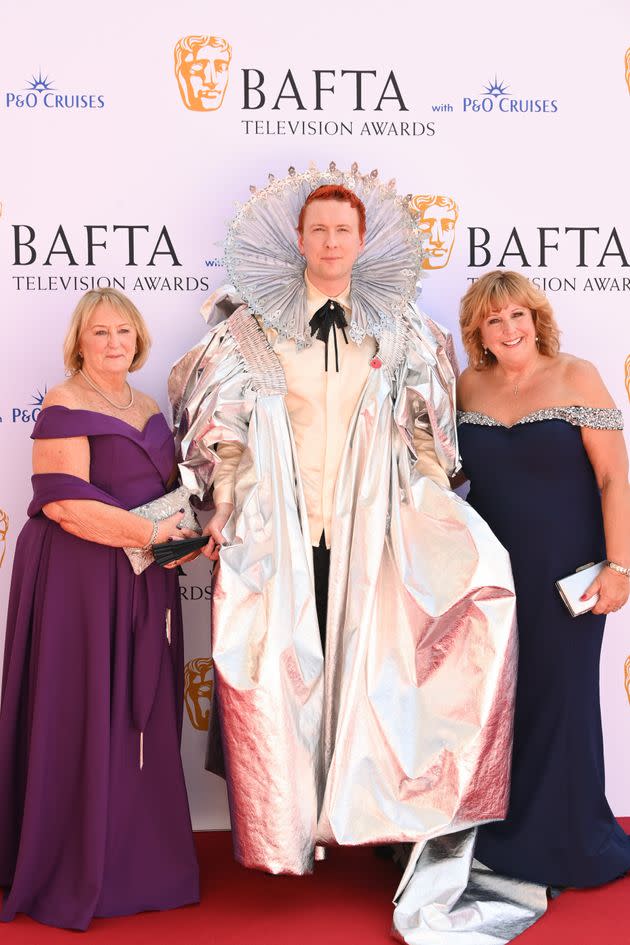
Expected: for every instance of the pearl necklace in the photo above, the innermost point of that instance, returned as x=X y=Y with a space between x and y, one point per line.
x=104 y=395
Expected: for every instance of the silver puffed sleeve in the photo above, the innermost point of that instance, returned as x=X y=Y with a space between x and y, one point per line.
x=211 y=397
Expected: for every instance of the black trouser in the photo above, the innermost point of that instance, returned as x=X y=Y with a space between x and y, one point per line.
x=321 y=568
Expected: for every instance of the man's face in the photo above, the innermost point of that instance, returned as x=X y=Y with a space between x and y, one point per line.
x=330 y=241
x=205 y=73
x=439 y=223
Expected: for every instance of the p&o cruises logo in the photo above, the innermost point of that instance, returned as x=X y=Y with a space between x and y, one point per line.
x=497 y=97
x=30 y=413
x=40 y=92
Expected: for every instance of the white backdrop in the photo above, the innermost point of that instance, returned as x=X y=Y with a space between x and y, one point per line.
x=518 y=118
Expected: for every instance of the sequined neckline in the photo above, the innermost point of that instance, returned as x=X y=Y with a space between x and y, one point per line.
x=596 y=418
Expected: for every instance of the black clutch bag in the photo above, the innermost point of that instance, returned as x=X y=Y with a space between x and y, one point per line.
x=167 y=551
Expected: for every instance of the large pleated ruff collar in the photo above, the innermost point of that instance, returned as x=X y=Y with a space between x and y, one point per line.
x=267 y=270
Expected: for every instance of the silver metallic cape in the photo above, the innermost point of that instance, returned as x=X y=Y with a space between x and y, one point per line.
x=405 y=732
x=448 y=898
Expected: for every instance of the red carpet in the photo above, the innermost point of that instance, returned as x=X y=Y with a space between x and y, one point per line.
x=346 y=901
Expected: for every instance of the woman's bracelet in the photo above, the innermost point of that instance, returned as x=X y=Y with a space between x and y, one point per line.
x=618 y=568
x=154 y=534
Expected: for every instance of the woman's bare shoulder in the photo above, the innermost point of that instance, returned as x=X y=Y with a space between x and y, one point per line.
x=467 y=385
x=584 y=381
x=65 y=394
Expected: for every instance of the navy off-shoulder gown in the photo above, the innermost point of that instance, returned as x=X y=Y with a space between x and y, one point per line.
x=534 y=485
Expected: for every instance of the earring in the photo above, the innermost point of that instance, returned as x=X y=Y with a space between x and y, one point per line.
x=537 y=339
x=80 y=353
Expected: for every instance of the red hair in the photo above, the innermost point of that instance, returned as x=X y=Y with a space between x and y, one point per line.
x=334 y=192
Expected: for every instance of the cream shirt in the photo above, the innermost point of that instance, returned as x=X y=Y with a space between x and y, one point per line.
x=320 y=405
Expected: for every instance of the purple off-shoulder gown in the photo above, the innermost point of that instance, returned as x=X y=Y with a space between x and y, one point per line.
x=92 y=659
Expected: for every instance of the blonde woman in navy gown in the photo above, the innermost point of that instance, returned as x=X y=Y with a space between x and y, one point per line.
x=541 y=443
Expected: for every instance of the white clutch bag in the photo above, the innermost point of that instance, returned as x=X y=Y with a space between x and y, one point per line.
x=157 y=511
x=572 y=587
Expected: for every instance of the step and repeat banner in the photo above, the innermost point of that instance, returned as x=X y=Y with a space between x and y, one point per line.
x=130 y=132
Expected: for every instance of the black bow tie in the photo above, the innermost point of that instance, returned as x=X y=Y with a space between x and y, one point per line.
x=329 y=315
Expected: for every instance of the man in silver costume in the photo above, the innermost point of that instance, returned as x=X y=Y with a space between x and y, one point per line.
x=363 y=630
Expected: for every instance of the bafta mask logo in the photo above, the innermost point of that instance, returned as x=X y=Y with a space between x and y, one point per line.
x=202 y=67
x=628 y=376
x=198 y=686
x=438 y=216
x=4 y=528
x=626 y=674
x=628 y=69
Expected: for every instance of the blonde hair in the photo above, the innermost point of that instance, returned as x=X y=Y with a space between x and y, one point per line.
x=492 y=292
x=81 y=315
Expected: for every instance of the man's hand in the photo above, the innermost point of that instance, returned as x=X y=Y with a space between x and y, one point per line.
x=214 y=529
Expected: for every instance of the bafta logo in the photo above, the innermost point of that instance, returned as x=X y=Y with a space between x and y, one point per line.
x=202 y=66
x=628 y=69
x=626 y=673
x=438 y=216
x=4 y=528
x=628 y=376
x=198 y=687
